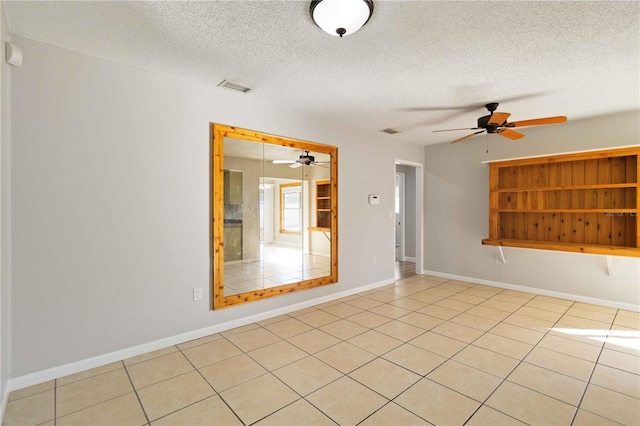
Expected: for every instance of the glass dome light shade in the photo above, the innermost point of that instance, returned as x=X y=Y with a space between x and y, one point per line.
x=341 y=17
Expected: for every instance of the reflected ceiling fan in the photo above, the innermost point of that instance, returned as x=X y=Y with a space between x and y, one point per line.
x=304 y=160
x=496 y=122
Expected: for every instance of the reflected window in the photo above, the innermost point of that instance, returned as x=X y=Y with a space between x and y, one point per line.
x=290 y=208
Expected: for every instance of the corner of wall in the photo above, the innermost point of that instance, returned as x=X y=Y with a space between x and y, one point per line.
x=5 y=216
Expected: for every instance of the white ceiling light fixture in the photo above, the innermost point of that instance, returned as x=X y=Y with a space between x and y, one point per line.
x=341 y=17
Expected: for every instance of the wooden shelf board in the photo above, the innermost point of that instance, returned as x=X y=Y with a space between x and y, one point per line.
x=317 y=228
x=572 y=247
x=613 y=211
x=569 y=187
x=588 y=154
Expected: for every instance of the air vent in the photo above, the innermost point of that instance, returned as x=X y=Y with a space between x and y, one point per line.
x=390 y=131
x=234 y=86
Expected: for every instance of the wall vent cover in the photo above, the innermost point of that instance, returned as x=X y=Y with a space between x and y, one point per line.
x=390 y=131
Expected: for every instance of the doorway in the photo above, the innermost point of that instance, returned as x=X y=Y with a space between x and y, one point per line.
x=408 y=221
x=400 y=216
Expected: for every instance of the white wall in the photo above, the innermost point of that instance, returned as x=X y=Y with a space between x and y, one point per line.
x=110 y=207
x=5 y=213
x=457 y=213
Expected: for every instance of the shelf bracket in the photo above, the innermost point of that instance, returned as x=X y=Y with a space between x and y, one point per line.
x=500 y=259
x=610 y=269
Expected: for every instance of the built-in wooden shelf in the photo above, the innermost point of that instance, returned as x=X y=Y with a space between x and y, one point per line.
x=585 y=202
x=323 y=206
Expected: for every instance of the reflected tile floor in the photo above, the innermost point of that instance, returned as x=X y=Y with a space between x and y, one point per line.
x=276 y=268
x=424 y=350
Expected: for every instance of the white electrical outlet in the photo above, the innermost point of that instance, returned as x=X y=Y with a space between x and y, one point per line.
x=197 y=294
x=374 y=260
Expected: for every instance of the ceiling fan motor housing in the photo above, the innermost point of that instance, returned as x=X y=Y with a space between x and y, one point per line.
x=483 y=123
x=306 y=158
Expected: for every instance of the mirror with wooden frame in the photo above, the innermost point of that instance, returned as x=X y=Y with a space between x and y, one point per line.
x=274 y=215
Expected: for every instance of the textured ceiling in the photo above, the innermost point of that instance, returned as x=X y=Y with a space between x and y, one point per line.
x=538 y=59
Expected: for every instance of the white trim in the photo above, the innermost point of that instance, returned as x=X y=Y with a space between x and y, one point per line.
x=100 y=360
x=402 y=203
x=540 y=291
x=559 y=153
x=420 y=208
x=5 y=400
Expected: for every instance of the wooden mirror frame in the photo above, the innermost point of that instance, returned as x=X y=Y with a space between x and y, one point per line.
x=218 y=133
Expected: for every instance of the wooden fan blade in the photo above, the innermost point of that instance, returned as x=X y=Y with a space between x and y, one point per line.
x=451 y=130
x=498 y=118
x=467 y=137
x=511 y=134
x=538 y=121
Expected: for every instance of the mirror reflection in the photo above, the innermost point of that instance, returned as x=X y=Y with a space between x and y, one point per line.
x=278 y=214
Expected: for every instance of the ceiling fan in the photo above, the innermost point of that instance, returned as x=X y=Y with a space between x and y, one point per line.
x=496 y=122
x=304 y=160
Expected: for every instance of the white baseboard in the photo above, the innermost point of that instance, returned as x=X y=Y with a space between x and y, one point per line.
x=100 y=360
x=543 y=292
x=321 y=254
x=409 y=259
x=5 y=400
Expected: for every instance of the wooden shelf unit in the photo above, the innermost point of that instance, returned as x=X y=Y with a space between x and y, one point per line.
x=323 y=205
x=585 y=202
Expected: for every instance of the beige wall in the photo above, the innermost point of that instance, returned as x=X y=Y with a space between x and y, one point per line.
x=110 y=205
x=457 y=213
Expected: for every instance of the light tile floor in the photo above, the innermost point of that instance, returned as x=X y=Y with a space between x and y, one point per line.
x=424 y=350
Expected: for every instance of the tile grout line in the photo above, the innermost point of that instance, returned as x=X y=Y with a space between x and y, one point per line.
x=55 y=402
x=301 y=397
x=450 y=358
x=97 y=403
x=351 y=371
x=520 y=361
x=595 y=364
x=216 y=393
x=270 y=372
x=136 y=392
x=422 y=376
x=343 y=375
x=483 y=403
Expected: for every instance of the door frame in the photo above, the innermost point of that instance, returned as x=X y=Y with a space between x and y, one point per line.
x=402 y=214
x=419 y=167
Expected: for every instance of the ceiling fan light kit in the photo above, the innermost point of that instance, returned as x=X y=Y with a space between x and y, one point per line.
x=304 y=160
x=341 y=17
x=496 y=122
